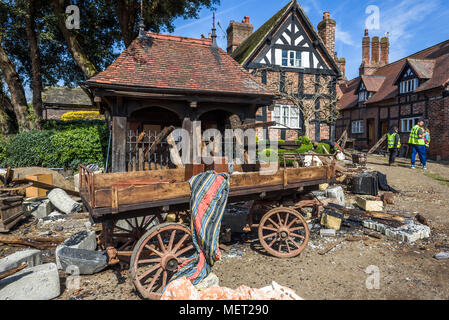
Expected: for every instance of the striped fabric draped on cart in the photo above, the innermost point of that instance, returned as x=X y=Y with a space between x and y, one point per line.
x=208 y=200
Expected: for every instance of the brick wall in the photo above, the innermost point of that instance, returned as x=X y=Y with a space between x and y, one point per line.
x=439 y=128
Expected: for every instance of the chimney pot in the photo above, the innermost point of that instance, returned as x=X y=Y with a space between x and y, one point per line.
x=366 y=33
x=246 y=20
x=326 y=15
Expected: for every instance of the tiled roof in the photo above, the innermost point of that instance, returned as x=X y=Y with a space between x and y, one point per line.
x=349 y=99
x=373 y=83
x=178 y=63
x=421 y=63
x=423 y=68
x=64 y=96
x=250 y=44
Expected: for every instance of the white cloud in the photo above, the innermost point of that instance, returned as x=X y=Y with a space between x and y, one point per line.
x=344 y=37
x=399 y=21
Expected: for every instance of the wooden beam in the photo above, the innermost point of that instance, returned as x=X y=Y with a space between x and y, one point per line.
x=378 y=144
x=174 y=152
x=119 y=127
x=160 y=137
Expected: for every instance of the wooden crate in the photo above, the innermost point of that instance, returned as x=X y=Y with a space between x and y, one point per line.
x=11 y=212
x=33 y=192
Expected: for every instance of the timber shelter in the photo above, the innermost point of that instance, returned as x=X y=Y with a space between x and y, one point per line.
x=164 y=80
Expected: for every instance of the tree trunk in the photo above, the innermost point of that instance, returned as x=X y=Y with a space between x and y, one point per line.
x=75 y=49
x=36 y=83
x=307 y=128
x=18 y=99
x=126 y=11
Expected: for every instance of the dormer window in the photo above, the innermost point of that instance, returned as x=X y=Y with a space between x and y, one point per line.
x=409 y=82
x=363 y=93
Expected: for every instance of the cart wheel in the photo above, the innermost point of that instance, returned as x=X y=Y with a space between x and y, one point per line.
x=127 y=232
x=156 y=258
x=283 y=232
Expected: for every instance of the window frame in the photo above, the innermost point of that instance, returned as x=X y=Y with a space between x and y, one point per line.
x=409 y=124
x=282 y=116
x=359 y=126
x=290 y=61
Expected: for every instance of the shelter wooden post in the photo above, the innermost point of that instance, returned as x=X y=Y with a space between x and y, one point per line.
x=119 y=127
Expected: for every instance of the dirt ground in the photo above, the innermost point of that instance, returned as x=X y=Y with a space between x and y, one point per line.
x=405 y=271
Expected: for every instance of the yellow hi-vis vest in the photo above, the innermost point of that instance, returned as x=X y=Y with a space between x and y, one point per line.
x=414 y=137
x=391 y=139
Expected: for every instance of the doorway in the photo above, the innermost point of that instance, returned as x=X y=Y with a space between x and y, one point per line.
x=371 y=132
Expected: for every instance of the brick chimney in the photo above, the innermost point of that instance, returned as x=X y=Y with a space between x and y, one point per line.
x=384 y=50
x=366 y=45
x=237 y=33
x=342 y=64
x=326 y=30
x=375 y=55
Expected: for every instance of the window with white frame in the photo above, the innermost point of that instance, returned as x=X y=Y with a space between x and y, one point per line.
x=286 y=116
x=409 y=82
x=357 y=126
x=291 y=58
x=408 y=123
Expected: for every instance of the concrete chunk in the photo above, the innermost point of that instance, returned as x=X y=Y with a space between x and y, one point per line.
x=338 y=194
x=43 y=210
x=442 y=256
x=210 y=281
x=86 y=240
x=87 y=262
x=31 y=257
x=328 y=232
x=36 y=283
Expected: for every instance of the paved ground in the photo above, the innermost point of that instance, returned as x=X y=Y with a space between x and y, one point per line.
x=405 y=271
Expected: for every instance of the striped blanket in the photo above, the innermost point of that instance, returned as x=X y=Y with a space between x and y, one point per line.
x=208 y=200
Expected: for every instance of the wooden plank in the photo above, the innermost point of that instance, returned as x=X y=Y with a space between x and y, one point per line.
x=378 y=144
x=160 y=137
x=46 y=186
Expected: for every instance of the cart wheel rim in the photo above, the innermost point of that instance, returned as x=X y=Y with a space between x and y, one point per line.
x=157 y=256
x=283 y=233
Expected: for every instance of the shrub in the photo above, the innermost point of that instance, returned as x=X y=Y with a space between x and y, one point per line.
x=59 y=146
x=82 y=115
x=321 y=146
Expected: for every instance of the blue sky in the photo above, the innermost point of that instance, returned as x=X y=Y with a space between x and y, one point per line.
x=412 y=24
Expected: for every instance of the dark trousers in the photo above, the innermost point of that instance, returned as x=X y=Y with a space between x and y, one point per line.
x=393 y=155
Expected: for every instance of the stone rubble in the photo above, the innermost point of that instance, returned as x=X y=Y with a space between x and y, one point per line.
x=36 y=283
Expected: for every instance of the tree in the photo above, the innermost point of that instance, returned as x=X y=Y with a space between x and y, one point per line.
x=35 y=55
x=320 y=105
x=18 y=98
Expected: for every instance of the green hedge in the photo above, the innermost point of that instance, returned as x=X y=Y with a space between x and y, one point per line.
x=59 y=145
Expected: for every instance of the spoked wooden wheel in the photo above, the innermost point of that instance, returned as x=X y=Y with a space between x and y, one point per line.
x=284 y=233
x=127 y=232
x=157 y=256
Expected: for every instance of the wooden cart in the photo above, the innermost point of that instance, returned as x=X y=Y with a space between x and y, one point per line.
x=132 y=206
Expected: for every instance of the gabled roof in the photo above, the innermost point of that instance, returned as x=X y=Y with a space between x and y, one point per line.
x=254 y=42
x=422 y=67
x=373 y=83
x=421 y=61
x=64 y=96
x=166 y=63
